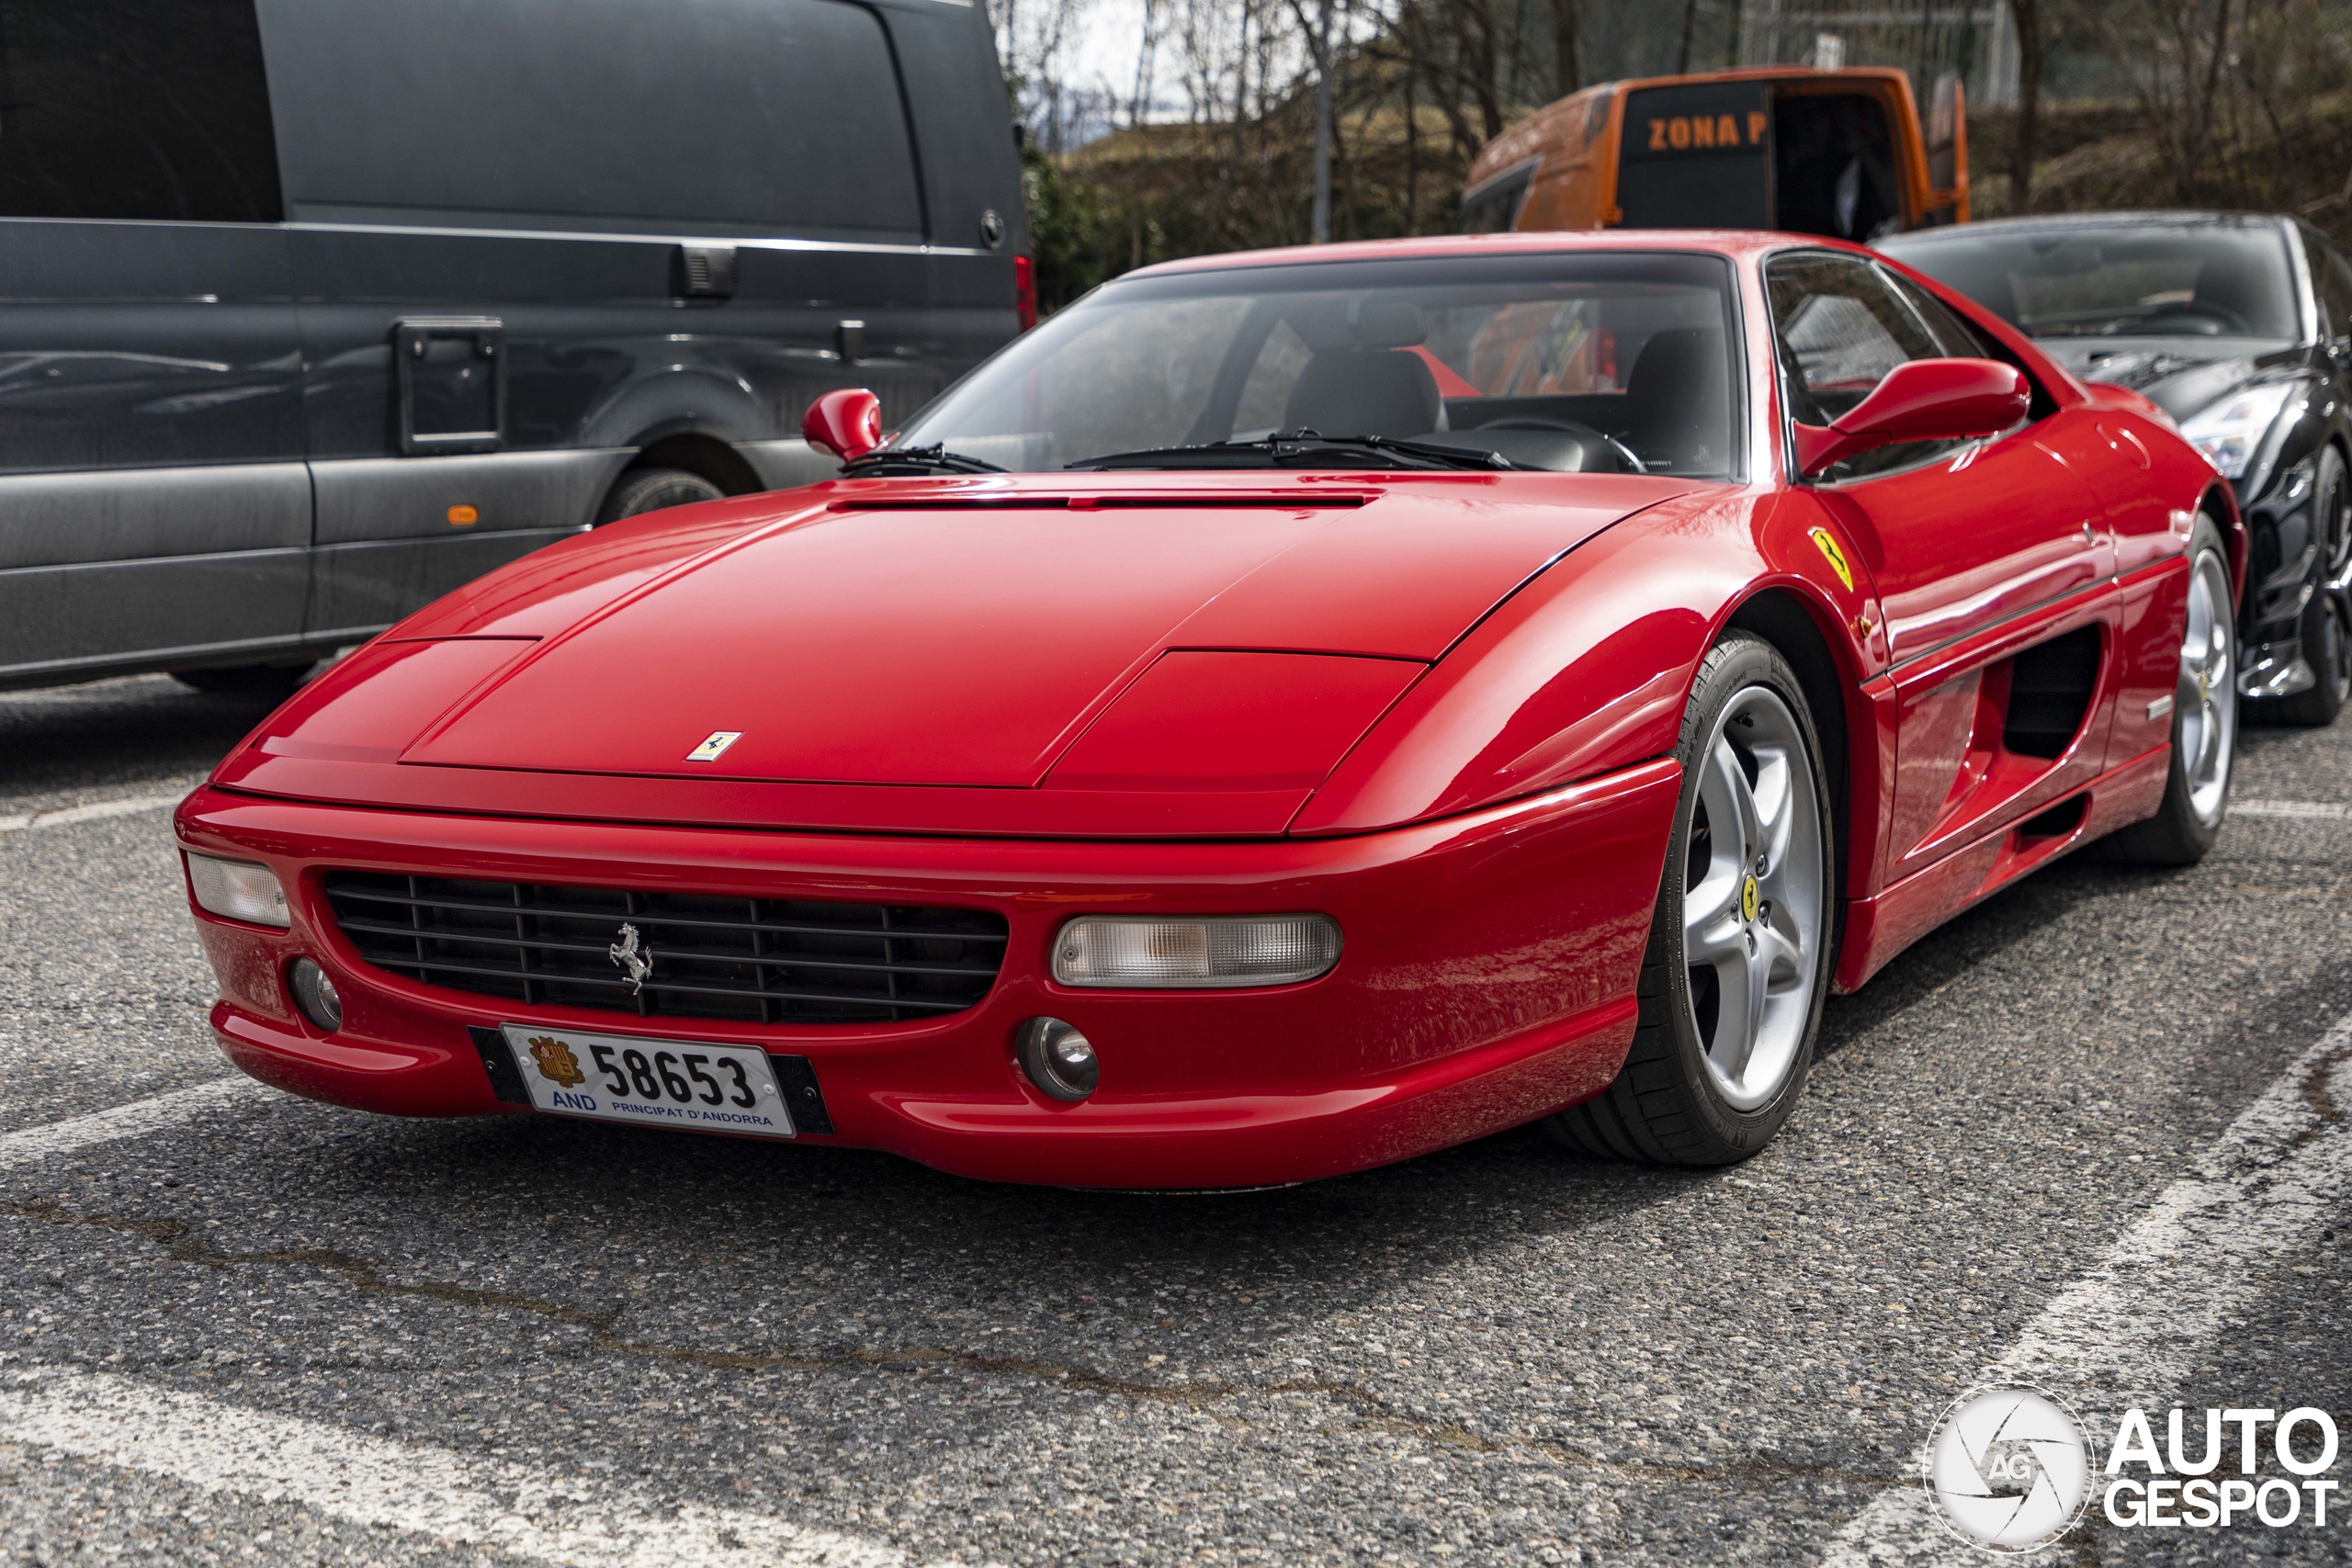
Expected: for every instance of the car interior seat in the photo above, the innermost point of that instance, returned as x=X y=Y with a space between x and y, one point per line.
x=1678 y=401
x=1365 y=391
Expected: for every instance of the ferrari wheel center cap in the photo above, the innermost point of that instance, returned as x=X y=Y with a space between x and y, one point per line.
x=1750 y=896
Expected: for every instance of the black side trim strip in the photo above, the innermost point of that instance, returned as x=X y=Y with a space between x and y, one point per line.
x=798 y=1080
x=505 y=1077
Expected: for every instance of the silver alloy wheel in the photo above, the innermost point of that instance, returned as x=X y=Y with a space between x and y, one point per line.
x=2208 y=692
x=1752 y=897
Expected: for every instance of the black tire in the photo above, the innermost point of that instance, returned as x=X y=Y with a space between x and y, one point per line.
x=275 y=682
x=2178 y=834
x=653 y=489
x=1665 y=1106
x=2327 y=649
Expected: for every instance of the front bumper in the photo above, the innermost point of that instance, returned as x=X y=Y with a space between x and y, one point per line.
x=1488 y=979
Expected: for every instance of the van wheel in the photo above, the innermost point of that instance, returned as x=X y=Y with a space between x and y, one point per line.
x=651 y=490
x=275 y=682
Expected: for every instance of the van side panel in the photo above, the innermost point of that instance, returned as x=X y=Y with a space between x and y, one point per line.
x=153 y=503
x=529 y=203
x=947 y=56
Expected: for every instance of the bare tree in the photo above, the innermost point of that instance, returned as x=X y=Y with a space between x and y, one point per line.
x=2027 y=14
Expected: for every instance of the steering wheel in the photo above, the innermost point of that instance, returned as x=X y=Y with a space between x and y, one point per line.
x=2224 y=320
x=1537 y=422
x=1624 y=454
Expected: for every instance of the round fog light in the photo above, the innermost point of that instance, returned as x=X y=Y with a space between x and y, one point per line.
x=315 y=994
x=1057 y=1058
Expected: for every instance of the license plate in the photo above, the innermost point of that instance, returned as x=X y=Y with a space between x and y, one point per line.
x=649 y=1083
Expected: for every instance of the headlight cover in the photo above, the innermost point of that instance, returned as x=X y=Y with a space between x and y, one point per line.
x=236 y=889
x=2230 y=430
x=1196 y=953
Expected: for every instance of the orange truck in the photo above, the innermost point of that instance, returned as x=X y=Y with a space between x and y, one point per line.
x=1840 y=153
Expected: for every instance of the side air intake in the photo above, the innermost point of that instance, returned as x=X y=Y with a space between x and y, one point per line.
x=2051 y=686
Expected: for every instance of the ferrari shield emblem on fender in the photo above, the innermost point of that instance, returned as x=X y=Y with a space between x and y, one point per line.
x=557 y=1064
x=1833 y=556
x=718 y=741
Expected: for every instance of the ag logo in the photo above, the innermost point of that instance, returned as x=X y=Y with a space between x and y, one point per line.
x=557 y=1064
x=2009 y=1468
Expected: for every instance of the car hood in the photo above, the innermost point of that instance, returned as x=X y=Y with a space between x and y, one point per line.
x=2178 y=374
x=962 y=635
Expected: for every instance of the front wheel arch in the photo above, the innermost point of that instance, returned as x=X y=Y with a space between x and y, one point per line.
x=1789 y=624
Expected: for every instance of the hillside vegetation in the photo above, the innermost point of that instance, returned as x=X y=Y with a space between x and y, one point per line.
x=1156 y=192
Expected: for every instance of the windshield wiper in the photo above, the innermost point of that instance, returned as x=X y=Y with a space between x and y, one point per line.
x=1299 y=449
x=936 y=459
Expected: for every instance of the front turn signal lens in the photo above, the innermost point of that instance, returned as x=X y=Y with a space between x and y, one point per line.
x=1195 y=954
x=236 y=890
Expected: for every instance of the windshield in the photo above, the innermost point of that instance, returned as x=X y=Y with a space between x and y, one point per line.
x=1591 y=363
x=2177 y=280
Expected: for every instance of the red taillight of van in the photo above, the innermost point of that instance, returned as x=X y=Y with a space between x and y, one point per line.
x=1024 y=291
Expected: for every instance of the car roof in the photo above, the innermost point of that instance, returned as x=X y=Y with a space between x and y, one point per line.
x=2046 y=222
x=1736 y=243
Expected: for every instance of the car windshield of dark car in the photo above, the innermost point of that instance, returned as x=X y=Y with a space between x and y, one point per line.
x=1610 y=362
x=2164 y=280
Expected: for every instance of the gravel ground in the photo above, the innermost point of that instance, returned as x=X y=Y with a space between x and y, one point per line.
x=1500 y=1353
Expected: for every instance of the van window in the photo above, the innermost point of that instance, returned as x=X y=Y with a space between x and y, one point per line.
x=727 y=115
x=1833 y=165
x=1493 y=207
x=1696 y=157
x=135 y=108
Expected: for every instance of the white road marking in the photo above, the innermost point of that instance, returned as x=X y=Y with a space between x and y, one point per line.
x=2130 y=1329
x=140 y=1116
x=67 y=816
x=552 y=1515
x=2303 y=810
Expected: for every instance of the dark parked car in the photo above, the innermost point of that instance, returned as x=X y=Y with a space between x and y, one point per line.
x=2240 y=327
x=312 y=310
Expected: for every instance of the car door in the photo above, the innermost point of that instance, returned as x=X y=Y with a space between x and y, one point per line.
x=155 y=508
x=1989 y=557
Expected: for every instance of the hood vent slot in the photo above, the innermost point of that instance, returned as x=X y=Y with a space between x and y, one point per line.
x=1121 y=502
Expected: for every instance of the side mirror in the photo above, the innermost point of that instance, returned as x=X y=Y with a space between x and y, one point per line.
x=848 y=423
x=1921 y=399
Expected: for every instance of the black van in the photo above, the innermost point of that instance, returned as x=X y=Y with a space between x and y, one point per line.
x=314 y=309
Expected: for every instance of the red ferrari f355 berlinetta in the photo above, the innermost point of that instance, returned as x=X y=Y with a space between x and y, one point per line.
x=1288 y=713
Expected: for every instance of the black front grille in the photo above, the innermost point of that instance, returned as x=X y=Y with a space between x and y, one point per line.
x=758 y=960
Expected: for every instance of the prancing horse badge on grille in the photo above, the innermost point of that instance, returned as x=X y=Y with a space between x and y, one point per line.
x=635 y=958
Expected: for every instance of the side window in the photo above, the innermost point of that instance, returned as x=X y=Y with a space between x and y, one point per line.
x=2338 y=290
x=135 y=108
x=2331 y=283
x=1841 y=325
x=1951 y=334
x=550 y=113
x=1493 y=207
x=1963 y=341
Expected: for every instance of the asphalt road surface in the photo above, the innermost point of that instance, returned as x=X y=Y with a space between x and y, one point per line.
x=2095 y=1133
